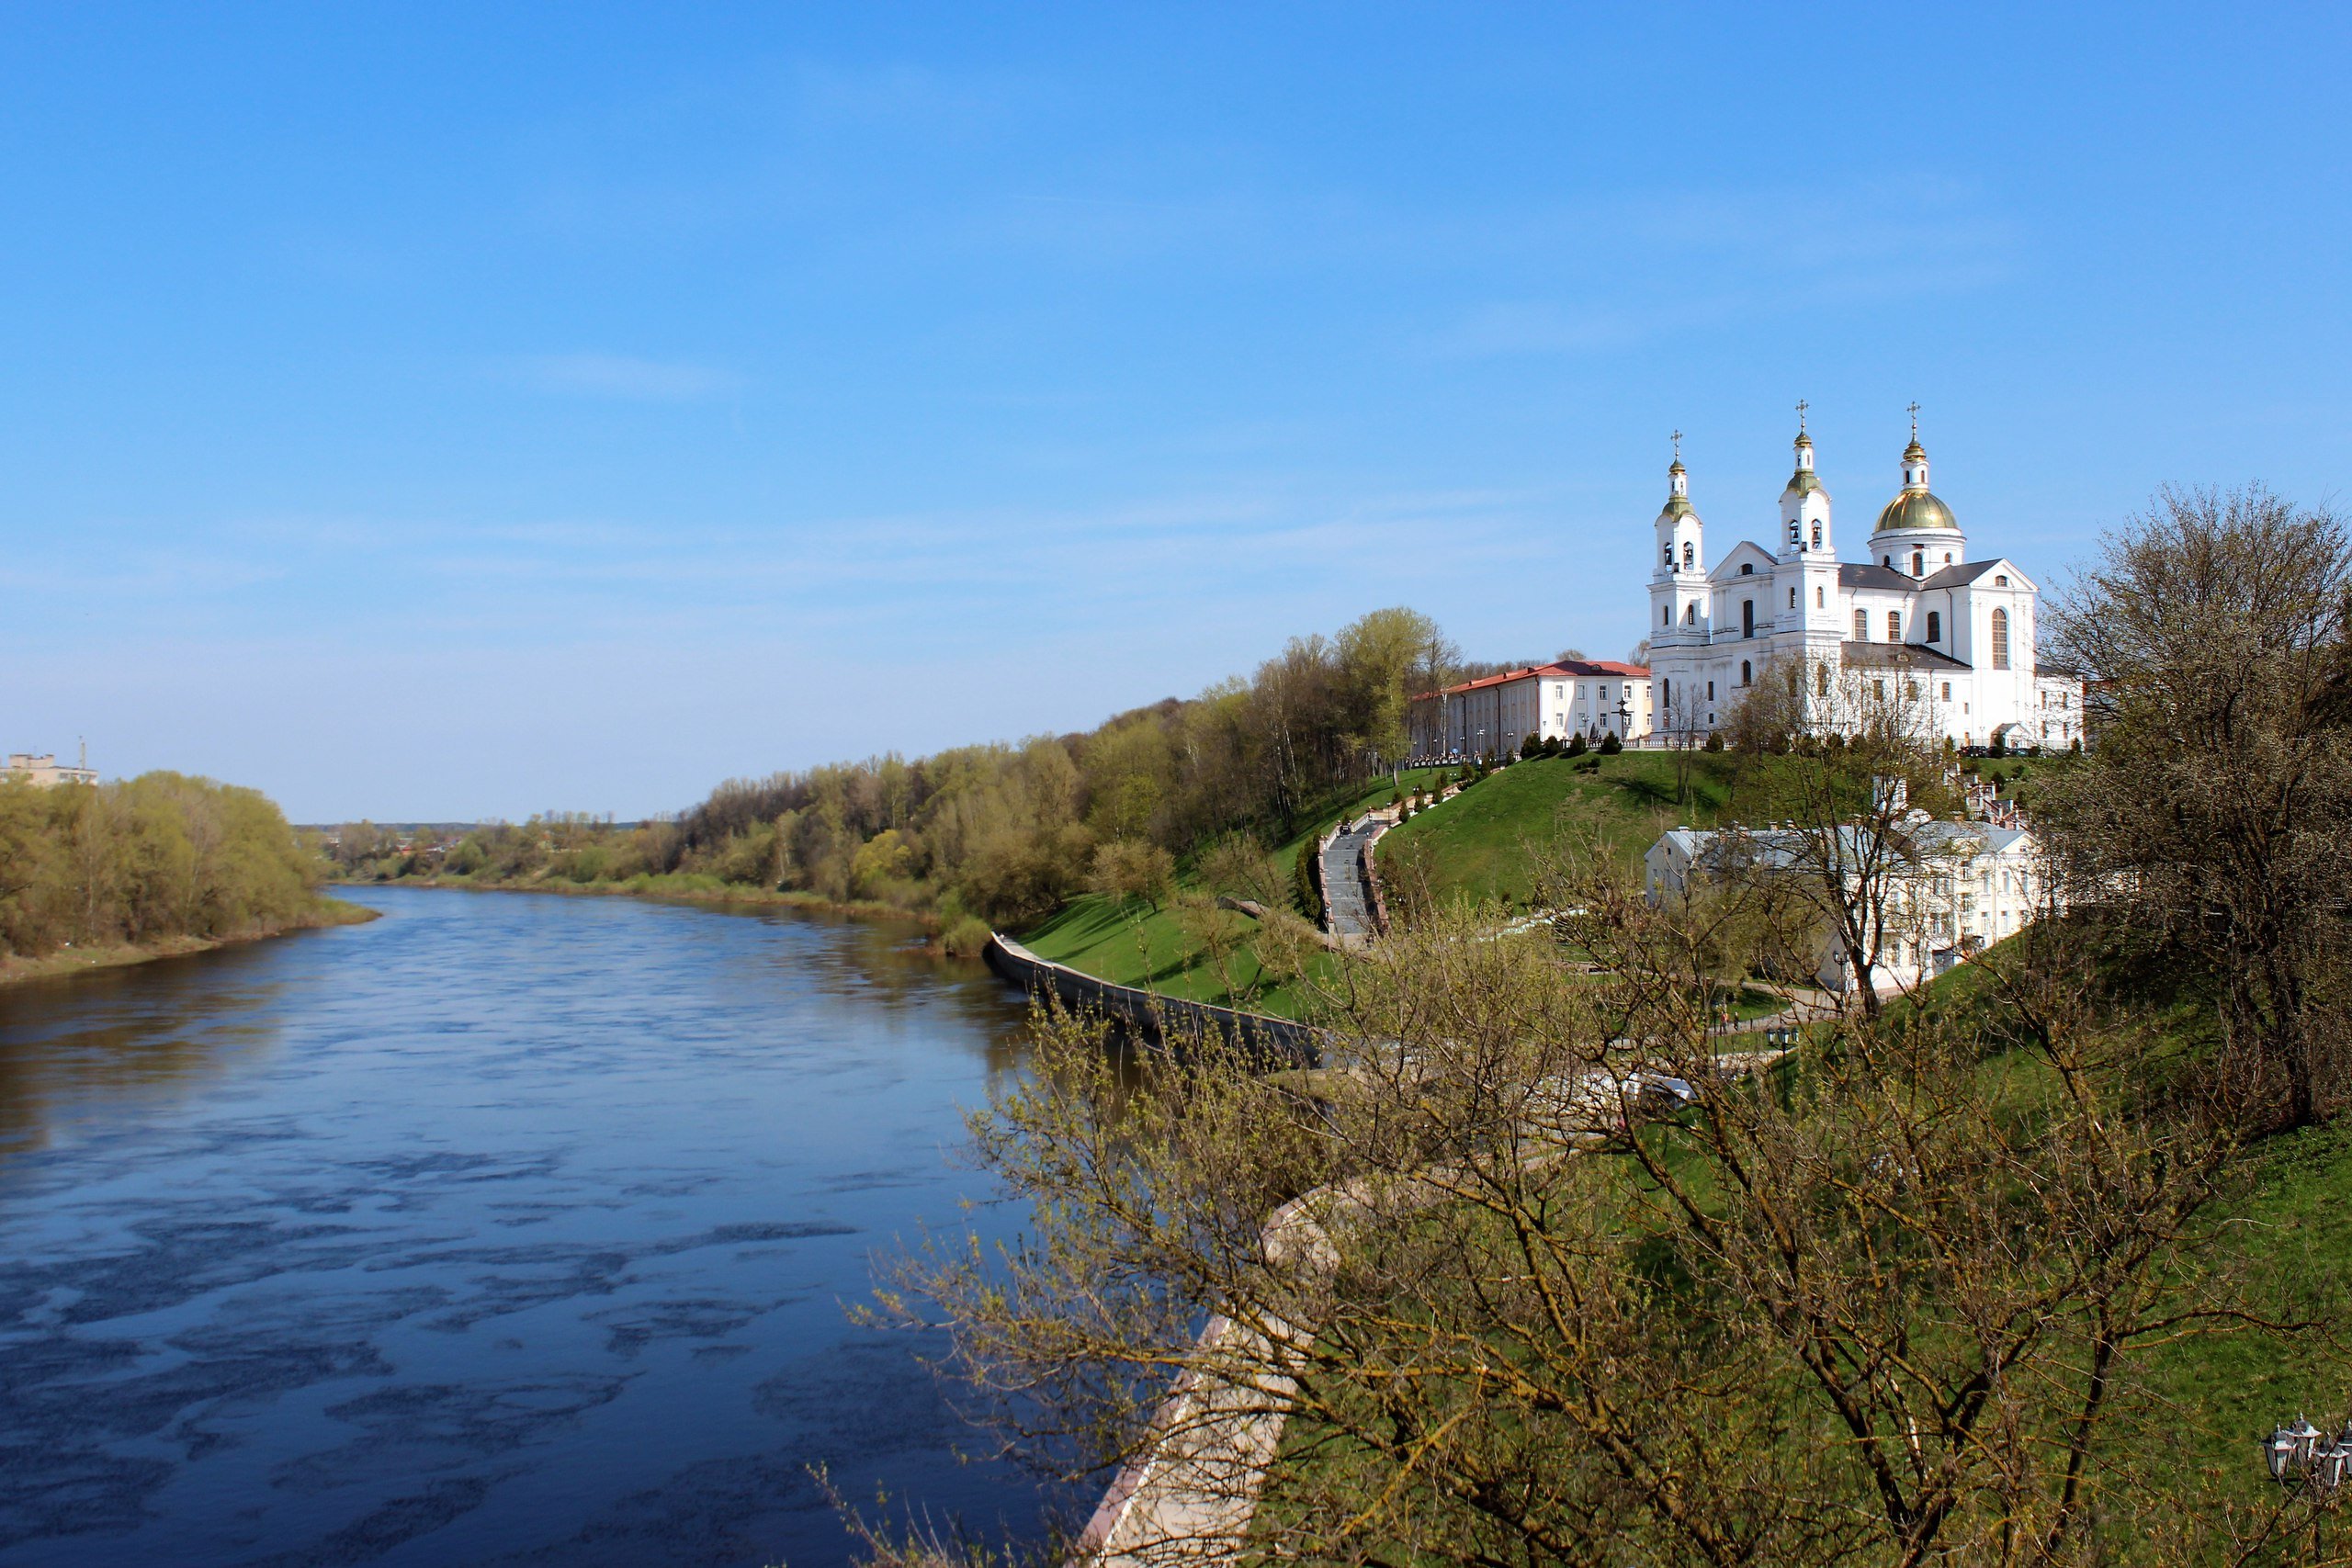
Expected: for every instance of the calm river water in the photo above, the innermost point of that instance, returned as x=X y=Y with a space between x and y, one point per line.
x=505 y=1229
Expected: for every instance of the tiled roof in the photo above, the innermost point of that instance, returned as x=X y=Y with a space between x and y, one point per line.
x=1558 y=667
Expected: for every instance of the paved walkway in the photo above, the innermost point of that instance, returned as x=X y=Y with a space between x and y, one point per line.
x=1344 y=914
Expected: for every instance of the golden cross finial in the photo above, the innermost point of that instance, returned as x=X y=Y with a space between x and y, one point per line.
x=1914 y=421
x=1801 y=405
x=1677 y=445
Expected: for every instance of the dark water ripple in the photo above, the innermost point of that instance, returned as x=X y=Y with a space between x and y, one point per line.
x=503 y=1230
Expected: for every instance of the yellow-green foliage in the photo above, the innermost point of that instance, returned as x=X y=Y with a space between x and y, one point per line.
x=144 y=859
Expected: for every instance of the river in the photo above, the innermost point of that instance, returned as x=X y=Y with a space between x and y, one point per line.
x=505 y=1229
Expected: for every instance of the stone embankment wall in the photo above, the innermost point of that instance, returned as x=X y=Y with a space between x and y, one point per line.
x=1146 y=1012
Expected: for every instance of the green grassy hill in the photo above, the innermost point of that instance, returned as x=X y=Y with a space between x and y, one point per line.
x=1171 y=950
x=1485 y=843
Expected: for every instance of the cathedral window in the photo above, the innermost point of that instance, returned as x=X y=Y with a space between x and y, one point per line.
x=1691 y=614
x=1820 y=599
x=1690 y=555
x=1919 y=563
x=1792 y=598
x=1862 y=626
x=2000 y=639
x=1748 y=617
x=1894 y=625
x=1746 y=675
x=1816 y=536
x=1947 y=691
x=1665 y=615
x=1711 y=697
x=1935 y=626
x=1824 y=680
x=2002 y=581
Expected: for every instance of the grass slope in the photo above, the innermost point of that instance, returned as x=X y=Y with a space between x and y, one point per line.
x=1484 y=844
x=1152 y=948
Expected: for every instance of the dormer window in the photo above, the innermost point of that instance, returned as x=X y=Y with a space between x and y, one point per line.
x=1748 y=568
x=2002 y=581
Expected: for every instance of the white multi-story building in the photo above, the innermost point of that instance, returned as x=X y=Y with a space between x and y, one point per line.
x=46 y=772
x=1958 y=635
x=1591 y=697
x=1948 y=889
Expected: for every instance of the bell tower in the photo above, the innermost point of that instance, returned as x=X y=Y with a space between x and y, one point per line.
x=1679 y=576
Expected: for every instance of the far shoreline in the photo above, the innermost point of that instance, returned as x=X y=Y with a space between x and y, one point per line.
x=325 y=914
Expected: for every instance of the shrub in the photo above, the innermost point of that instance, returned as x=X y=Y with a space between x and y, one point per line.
x=1610 y=745
x=1576 y=744
x=1302 y=882
x=1715 y=742
x=967 y=938
x=1529 y=746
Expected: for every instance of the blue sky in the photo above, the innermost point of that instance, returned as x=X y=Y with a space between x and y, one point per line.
x=456 y=411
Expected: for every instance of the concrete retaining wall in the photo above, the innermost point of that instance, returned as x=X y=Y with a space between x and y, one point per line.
x=1153 y=1016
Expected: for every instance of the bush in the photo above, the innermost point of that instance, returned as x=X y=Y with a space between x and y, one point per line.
x=1551 y=746
x=1302 y=882
x=967 y=938
x=1715 y=742
x=1576 y=744
x=1610 y=745
x=1529 y=746
x=1133 y=871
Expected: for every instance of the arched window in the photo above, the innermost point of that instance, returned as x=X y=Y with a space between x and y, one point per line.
x=1824 y=680
x=1887 y=561
x=1935 y=626
x=1690 y=555
x=1862 y=626
x=1816 y=536
x=1669 y=557
x=1894 y=625
x=1748 y=617
x=1691 y=614
x=1666 y=614
x=1746 y=675
x=1792 y=597
x=1947 y=558
x=1819 y=597
x=2000 y=639
x=1919 y=563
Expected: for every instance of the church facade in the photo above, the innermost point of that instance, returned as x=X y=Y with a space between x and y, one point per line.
x=1919 y=620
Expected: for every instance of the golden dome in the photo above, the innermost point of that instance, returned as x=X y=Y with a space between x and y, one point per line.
x=1915 y=508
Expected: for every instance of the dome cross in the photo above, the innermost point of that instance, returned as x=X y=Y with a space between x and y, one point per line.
x=1914 y=420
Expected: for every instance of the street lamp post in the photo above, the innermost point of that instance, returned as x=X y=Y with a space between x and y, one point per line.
x=2300 y=1455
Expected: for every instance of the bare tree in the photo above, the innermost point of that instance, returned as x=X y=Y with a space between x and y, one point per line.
x=2213 y=816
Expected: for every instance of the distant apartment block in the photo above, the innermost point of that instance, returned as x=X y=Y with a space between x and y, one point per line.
x=46 y=772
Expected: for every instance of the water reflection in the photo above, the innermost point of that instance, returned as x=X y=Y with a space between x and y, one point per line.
x=502 y=1229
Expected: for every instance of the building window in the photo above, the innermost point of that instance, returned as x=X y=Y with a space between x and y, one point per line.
x=1820 y=597
x=1887 y=561
x=2000 y=639
x=1691 y=614
x=1824 y=680
x=2001 y=580
x=1690 y=555
x=1669 y=557
x=1711 y=697
x=1664 y=614
x=1894 y=625
x=1878 y=690
x=1947 y=558
x=1947 y=691
x=1748 y=617
x=1746 y=676
x=1816 y=536
x=1935 y=626
x=1862 y=626
x=1748 y=568
x=1792 y=598
x=1919 y=563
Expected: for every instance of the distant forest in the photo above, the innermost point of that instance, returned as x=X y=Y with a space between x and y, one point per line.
x=1002 y=832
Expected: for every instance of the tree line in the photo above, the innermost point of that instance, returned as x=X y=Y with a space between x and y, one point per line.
x=146 y=860
x=1005 y=831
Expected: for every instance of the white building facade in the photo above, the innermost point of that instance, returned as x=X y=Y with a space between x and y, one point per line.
x=45 y=772
x=1591 y=697
x=1920 y=620
x=1957 y=887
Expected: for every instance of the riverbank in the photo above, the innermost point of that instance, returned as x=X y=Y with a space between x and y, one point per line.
x=17 y=970
x=673 y=890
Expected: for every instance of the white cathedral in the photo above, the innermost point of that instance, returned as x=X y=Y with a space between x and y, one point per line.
x=1957 y=634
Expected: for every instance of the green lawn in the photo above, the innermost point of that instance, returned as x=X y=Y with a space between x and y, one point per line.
x=1152 y=948
x=1484 y=844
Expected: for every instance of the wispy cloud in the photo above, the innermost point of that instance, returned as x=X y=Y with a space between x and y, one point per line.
x=618 y=376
